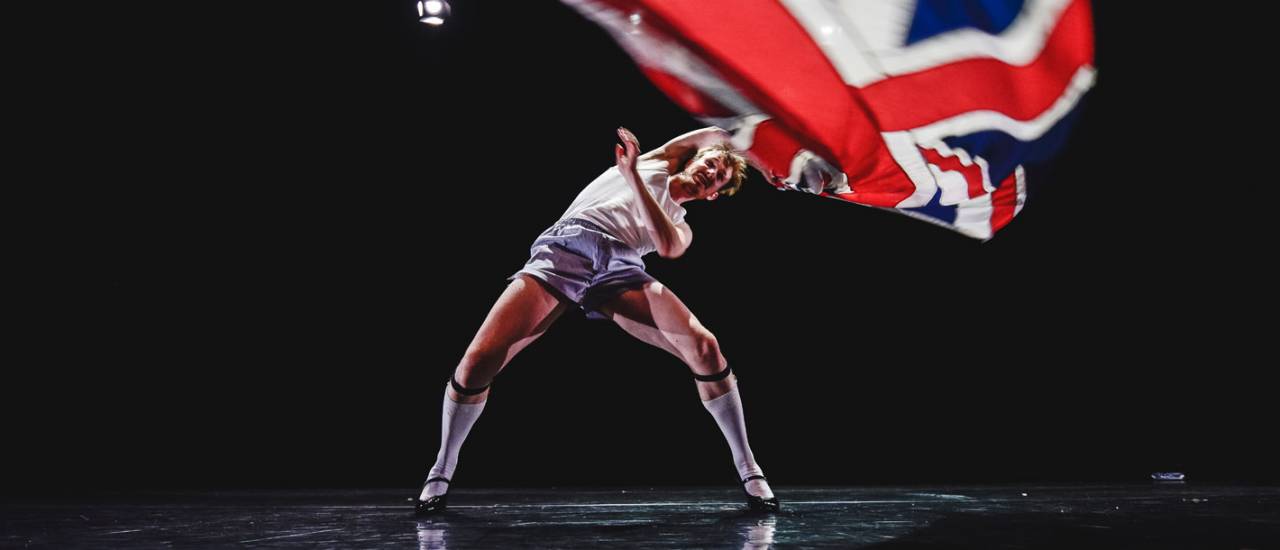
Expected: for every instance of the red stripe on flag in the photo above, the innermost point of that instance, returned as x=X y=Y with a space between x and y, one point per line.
x=972 y=172
x=772 y=150
x=757 y=47
x=765 y=54
x=687 y=97
x=918 y=99
x=1004 y=202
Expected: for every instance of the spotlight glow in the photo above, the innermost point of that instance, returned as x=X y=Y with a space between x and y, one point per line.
x=433 y=21
x=434 y=7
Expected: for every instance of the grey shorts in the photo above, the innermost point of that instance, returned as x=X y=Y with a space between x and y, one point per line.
x=584 y=265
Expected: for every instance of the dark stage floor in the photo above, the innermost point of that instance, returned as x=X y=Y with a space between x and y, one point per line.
x=1078 y=517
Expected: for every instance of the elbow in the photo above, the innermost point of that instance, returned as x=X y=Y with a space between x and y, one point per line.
x=714 y=136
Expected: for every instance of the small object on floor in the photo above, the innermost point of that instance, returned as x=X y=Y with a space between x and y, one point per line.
x=1168 y=476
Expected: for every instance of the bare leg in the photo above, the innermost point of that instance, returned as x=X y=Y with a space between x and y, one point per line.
x=523 y=313
x=655 y=315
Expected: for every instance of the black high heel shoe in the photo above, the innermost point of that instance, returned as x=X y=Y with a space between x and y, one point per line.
x=759 y=504
x=433 y=505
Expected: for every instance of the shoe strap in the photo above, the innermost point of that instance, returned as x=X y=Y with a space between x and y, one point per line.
x=757 y=476
x=444 y=479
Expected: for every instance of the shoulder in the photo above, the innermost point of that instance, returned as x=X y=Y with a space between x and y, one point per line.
x=654 y=164
x=660 y=160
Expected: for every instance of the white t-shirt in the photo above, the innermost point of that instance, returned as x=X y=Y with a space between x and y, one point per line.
x=611 y=203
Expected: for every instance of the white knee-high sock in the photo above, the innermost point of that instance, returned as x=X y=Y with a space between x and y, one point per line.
x=727 y=410
x=455 y=423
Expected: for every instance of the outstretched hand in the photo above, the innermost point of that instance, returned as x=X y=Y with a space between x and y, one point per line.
x=627 y=151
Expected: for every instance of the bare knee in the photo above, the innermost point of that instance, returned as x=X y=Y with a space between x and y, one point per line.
x=479 y=365
x=703 y=354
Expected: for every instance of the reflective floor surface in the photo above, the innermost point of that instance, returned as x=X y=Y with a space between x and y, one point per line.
x=989 y=517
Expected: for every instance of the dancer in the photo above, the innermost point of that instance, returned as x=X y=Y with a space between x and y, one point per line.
x=591 y=257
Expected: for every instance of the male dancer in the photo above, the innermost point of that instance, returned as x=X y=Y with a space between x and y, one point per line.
x=592 y=258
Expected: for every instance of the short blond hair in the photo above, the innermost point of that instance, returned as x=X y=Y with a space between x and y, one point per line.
x=736 y=160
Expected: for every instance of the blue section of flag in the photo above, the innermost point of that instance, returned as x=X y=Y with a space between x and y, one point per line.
x=936 y=210
x=934 y=17
x=1004 y=152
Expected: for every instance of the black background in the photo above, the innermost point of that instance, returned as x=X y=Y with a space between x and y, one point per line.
x=265 y=235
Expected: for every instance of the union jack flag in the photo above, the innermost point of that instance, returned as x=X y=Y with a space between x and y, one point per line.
x=925 y=107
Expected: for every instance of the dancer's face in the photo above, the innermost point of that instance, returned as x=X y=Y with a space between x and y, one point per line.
x=703 y=177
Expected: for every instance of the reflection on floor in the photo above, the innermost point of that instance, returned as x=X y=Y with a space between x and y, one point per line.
x=1077 y=517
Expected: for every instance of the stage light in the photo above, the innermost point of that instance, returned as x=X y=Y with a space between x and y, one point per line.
x=433 y=12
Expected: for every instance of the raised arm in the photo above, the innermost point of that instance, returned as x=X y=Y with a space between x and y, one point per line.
x=679 y=150
x=671 y=239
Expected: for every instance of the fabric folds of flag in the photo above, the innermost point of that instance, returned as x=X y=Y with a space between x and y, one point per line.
x=929 y=108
